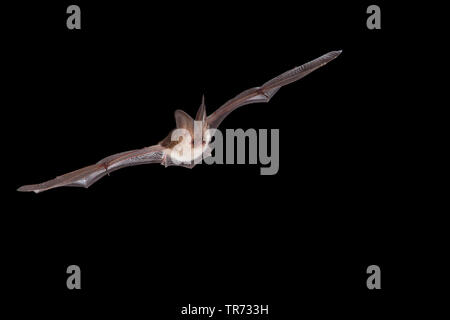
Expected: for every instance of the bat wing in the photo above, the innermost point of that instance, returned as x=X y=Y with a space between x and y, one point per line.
x=88 y=175
x=268 y=89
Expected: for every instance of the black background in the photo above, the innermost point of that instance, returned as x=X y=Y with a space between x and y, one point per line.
x=151 y=239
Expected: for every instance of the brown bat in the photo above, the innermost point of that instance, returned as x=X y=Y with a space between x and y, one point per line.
x=190 y=145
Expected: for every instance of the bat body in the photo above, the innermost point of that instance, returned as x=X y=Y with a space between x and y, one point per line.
x=189 y=144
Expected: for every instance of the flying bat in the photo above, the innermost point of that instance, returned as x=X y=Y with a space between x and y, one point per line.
x=190 y=145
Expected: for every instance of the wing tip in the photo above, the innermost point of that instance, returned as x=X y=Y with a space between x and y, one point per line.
x=329 y=57
x=334 y=54
x=23 y=189
x=29 y=188
x=338 y=52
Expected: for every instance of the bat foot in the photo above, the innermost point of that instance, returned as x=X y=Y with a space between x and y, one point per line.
x=164 y=161
x=188 y=165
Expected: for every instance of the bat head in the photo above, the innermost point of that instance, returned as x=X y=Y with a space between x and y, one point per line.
x=198 y=128
x=194 y=140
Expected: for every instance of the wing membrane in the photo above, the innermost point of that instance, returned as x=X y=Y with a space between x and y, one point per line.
x=86 y=176
x=268 y=89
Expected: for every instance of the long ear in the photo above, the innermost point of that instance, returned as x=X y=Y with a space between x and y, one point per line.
x=183 y=120
x=201 y=113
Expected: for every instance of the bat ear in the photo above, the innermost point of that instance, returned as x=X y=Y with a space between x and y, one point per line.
x=201 y=113
x=183 y=120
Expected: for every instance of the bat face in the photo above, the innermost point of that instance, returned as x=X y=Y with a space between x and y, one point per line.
x=191 y=144
x=191 y=149
x=190 y=140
